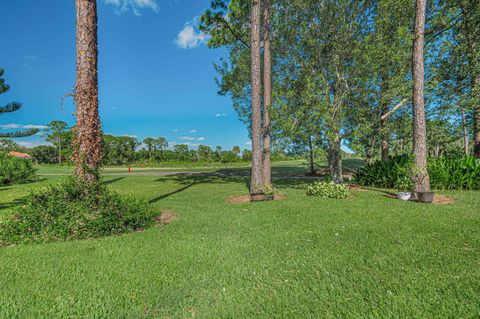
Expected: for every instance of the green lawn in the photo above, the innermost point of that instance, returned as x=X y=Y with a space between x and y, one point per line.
x=365 y=257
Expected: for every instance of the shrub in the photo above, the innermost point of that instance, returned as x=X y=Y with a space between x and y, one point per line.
x=455 y=173
x=74 y=209
x=404 y=183
x=384 y=174
x=15 y=170
x=445 y=172
x=325 y=189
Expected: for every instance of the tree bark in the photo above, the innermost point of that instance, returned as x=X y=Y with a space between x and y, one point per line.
x=312 y=156
x=476 y=133
x=370 y=153
x=335 y=158
x=422 y=181
x=256 y=183
x=88 y=139
x=465 y=134
x=267 y=95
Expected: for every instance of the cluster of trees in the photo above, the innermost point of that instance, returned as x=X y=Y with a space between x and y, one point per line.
x=343 y=73
x=120 y=150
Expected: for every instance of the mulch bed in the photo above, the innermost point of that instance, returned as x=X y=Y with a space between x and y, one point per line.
x=437 y=200
x=166 y=217
x=246 y=198
x=443 y=200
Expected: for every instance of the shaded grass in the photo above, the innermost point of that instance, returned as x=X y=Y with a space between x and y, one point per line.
x=365 y=257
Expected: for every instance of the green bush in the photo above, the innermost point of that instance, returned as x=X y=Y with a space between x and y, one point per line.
x=445 y=172
x=326 y=189
x=74 y=209
x=455 y=173
x=15 y=170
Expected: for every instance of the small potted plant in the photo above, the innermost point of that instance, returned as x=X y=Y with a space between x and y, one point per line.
x=404 y=187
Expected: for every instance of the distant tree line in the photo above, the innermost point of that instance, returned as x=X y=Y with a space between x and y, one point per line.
x=123 y=150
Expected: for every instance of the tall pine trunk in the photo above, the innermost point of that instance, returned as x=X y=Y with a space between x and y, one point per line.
x=256 y=183
x=267 y=94
x=335 y=157
x=88 y=139
x=422 y=181
x=370 y=158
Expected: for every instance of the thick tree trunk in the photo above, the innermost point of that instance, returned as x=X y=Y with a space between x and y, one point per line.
x=422 y=181
x=88 y=137
x=371 y=151
x=311 y=156
x=256 y=183
x=267 y=94
x=335 y=158
x=465 y=134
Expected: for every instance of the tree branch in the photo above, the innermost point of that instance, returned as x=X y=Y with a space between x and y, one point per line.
x=395 y=108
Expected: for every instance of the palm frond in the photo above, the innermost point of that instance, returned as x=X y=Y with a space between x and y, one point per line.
x=18 y=134
x=10 y=107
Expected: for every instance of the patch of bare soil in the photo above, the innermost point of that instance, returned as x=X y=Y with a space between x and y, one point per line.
x=166 y=217
x=246 y=198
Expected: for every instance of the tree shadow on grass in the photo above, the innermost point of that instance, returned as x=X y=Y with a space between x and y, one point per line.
x=112 y=181
x=188 y=180
x=14 y=203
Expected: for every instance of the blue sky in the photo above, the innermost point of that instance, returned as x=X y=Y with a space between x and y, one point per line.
x=156 y=75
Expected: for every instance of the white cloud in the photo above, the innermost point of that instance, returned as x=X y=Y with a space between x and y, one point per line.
x=249 y=143
x=32 y=144
x=31 y=57
x=134 y=5
x=22 y=126
x=120 y=135
x=201 y=139
x=190 y=37
x=193 y=131
x=186 y=138
x=220 y=115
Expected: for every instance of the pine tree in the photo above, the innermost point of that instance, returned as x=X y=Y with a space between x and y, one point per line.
x=256 y=183
x=267 y=94
x=88 y=140
x=422 y=182
x=9 y=108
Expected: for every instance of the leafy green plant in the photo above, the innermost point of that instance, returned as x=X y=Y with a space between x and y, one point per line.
x=445 y=172
x=404 y=184
x=74 y=209
x=15 y=170
x=326 y=189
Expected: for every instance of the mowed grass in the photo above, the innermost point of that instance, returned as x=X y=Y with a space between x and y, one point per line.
x=365 y=257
